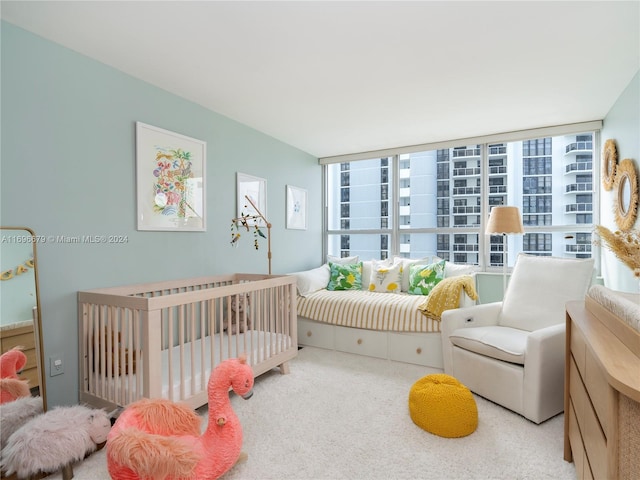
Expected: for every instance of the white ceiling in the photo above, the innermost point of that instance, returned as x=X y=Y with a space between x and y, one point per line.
x=338 y=77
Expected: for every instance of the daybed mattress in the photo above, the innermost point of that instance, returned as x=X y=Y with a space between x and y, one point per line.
x=397 y=312
x=259 y=346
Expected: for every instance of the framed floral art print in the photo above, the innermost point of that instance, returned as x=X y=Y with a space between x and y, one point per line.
x=170 y=170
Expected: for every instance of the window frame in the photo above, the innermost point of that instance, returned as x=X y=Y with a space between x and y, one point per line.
x=485 y=143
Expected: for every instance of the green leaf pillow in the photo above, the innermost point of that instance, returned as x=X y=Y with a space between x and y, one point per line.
x=345 y=277
x=422 y=278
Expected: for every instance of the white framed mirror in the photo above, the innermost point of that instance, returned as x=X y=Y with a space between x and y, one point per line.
x=20 y=311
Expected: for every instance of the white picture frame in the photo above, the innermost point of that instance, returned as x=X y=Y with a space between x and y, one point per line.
x=170 y=180
x=296 y=208
x=254 y=188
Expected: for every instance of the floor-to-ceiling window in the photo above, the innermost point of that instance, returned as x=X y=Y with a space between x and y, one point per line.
x=437 y=201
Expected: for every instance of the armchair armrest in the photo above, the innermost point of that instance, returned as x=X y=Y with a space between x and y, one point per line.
x=544 y=371
x=480 y=315
x=476 y=316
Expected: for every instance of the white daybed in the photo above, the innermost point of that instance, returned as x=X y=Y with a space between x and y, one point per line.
x=163 y=339
x=383 y=325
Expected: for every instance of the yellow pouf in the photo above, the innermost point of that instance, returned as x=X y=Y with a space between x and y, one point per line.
x=441 y=405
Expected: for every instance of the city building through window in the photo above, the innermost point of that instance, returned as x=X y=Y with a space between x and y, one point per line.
x=436 y=202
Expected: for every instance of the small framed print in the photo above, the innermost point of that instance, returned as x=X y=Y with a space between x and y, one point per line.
x=296 y=208
x=170 y=178
x=255 y=189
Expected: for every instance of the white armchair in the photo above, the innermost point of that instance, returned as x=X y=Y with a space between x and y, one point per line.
x=513 y=352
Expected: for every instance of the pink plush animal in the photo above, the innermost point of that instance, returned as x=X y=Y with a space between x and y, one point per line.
x=11 y=386
x=161 y=439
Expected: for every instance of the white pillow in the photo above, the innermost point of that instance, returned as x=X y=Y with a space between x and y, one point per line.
x=366 y=273
x=455 y=270
x=310 y=281
x=343 y=260
x=385 y=277
x=540 y=287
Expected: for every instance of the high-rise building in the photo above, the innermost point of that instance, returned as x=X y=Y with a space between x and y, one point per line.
x=440 y=200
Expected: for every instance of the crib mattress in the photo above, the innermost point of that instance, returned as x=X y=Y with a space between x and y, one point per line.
x=396 y=312
x=258 y=346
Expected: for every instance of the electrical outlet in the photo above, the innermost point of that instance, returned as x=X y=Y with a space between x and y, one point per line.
x=56 y=365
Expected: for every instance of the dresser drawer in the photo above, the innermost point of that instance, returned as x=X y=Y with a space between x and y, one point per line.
x=11 y=339
x=421 y=349
x=362 y=342
x=577 y=447
x=315 y=334
x=595 y=443
x=577 y=392
x=586 y=474
x=578 y=349
x=598 y=388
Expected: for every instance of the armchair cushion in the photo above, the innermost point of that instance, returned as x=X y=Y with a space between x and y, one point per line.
x=544 y=285
x=503 y=343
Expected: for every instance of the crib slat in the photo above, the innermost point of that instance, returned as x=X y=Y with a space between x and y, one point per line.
x=152 y=367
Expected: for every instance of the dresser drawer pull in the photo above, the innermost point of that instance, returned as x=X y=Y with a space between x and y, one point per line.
x=418 y=350
x=309 y=333
x=359 y=341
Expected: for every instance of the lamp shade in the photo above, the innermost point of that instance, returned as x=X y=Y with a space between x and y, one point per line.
x=504 y=220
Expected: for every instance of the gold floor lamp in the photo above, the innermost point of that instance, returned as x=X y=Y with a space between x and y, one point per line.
x=504 y=220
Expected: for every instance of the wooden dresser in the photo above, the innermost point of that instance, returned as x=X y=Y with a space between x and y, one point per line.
x=602 y=394
x=22 y=334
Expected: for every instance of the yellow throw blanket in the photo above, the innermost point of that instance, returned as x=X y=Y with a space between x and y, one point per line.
x=446 y=295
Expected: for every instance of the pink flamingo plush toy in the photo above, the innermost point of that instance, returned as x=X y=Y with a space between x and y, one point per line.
x=160 y=439
x=11 y=386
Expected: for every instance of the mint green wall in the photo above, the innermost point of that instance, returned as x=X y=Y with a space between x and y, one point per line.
x=490 y=286
x=622 y=124
x=68 y=168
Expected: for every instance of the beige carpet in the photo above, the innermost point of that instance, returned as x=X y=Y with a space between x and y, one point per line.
x=342 y=416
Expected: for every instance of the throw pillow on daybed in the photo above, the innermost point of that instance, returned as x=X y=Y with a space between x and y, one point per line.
x=310 y=281
x=343 y=260
x=385 y=277
x=345 y=277
x=422 y=278
x=406 y=264
x=455 y=270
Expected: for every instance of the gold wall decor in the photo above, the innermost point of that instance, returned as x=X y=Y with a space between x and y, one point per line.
x=626 y=199
x=609 y=162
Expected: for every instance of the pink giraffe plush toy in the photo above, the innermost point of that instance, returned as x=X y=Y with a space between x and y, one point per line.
x=158 y=438
x=11 y=386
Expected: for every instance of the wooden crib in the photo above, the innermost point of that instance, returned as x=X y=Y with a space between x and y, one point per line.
x=163 y=339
